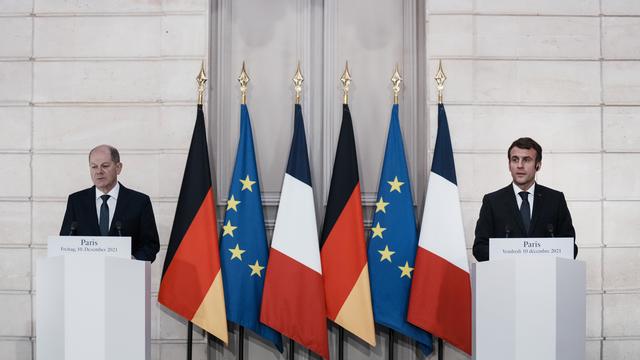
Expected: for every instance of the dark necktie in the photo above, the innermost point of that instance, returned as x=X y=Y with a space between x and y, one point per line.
x=104 y=216
x=525 y=210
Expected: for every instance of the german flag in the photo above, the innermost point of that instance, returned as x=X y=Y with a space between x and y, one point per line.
x=343 y=250
x=191 y=284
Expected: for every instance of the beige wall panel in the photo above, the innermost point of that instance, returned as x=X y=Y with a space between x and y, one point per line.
x=118 y=6
x=594 y=315
x=562 y=172
x=537 y=37
x=47 y=219
x=470 y=212
x=15 y=6
x=478 y=174
x=494 y=128
x=172 y=326
x=129 y=127
x=621 y=128
x=542 y=7
x=262 y=34
x=593 y=258
x=621 y=269
x=15 y=313
x=619 y=38
x=15 y=36
x=620 y=7
x=587 y=220
x=170 y=351
x=15 y=81
x=120 y=36
x=621 y=225
x=621 y=315
x=549 y=82
x=593 y=350
x=623 y=349
x=450 y=35
x=622 y=176
x=15 y=269
x=154 y=175
x=15 y=223
x=621 y=82
x=58 y=176
x=15 y=123
x=12 y=349
x=115 y=81
x=449 y=6
x=164 y=212
x=15 y=176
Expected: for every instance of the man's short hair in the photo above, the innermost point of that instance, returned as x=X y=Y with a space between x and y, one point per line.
x=526 y=143
x=115 y=154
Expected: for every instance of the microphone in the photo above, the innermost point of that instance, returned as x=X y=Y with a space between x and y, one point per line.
x=507 y=231
x=119 y=227
x=550 y=230
x=73 y=228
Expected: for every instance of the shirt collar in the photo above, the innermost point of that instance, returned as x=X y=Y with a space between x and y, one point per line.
x=113 y=193
x=531 y=190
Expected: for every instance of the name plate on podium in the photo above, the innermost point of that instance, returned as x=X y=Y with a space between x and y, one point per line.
x=114 y=246
x=502 y=248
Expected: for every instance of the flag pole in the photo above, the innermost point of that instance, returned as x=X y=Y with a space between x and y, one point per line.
x=201 y=79
x=440 y=79
x=396 y=79
x=243 y=79
x=346 y=82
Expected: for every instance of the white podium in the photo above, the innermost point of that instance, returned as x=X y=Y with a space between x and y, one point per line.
x=527 y=308
x=92 y=306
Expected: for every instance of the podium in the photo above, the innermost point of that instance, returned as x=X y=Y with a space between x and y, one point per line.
x=90 y=305
x=528 y=308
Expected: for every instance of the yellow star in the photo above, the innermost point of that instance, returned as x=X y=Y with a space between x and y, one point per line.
x=256 y=268
x=236 y=253
x=232 y=203
x=406 y=270
x=386 y=254
x=228 y=228
x=380 y=205
x=247 y=184
x=395 y=184
x=377 y=231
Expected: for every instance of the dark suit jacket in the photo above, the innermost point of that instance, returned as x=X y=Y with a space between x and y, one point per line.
x=133 y=210
x=500 y=214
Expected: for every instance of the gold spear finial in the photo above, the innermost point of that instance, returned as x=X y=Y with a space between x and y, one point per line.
x=440 y=78
x=297 y=83
x=201 y=79
x=396 y=79
x=243 y=79
x=346 y=81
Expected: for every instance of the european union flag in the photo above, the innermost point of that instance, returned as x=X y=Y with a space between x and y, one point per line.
x=243 y=245
x=393 y=242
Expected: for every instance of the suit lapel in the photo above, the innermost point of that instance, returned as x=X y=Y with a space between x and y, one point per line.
x=512 y=206
x=90 y=204
x=538 y=201
x=121 y=205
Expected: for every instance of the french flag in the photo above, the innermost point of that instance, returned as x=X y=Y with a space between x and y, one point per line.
x=440 y=300
x=293 y=300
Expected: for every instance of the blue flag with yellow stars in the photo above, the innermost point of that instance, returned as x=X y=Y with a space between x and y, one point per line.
x=393 y=242
x=243 y=244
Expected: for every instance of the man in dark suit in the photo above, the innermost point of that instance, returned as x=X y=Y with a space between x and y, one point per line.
x=522 y=208
x=110 y=209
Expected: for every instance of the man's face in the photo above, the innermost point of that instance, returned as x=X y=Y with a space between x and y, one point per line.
x=104 y=172
x=522 y=165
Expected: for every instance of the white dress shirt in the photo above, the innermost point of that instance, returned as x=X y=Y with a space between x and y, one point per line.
x=530 y=190
x=113 y=199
